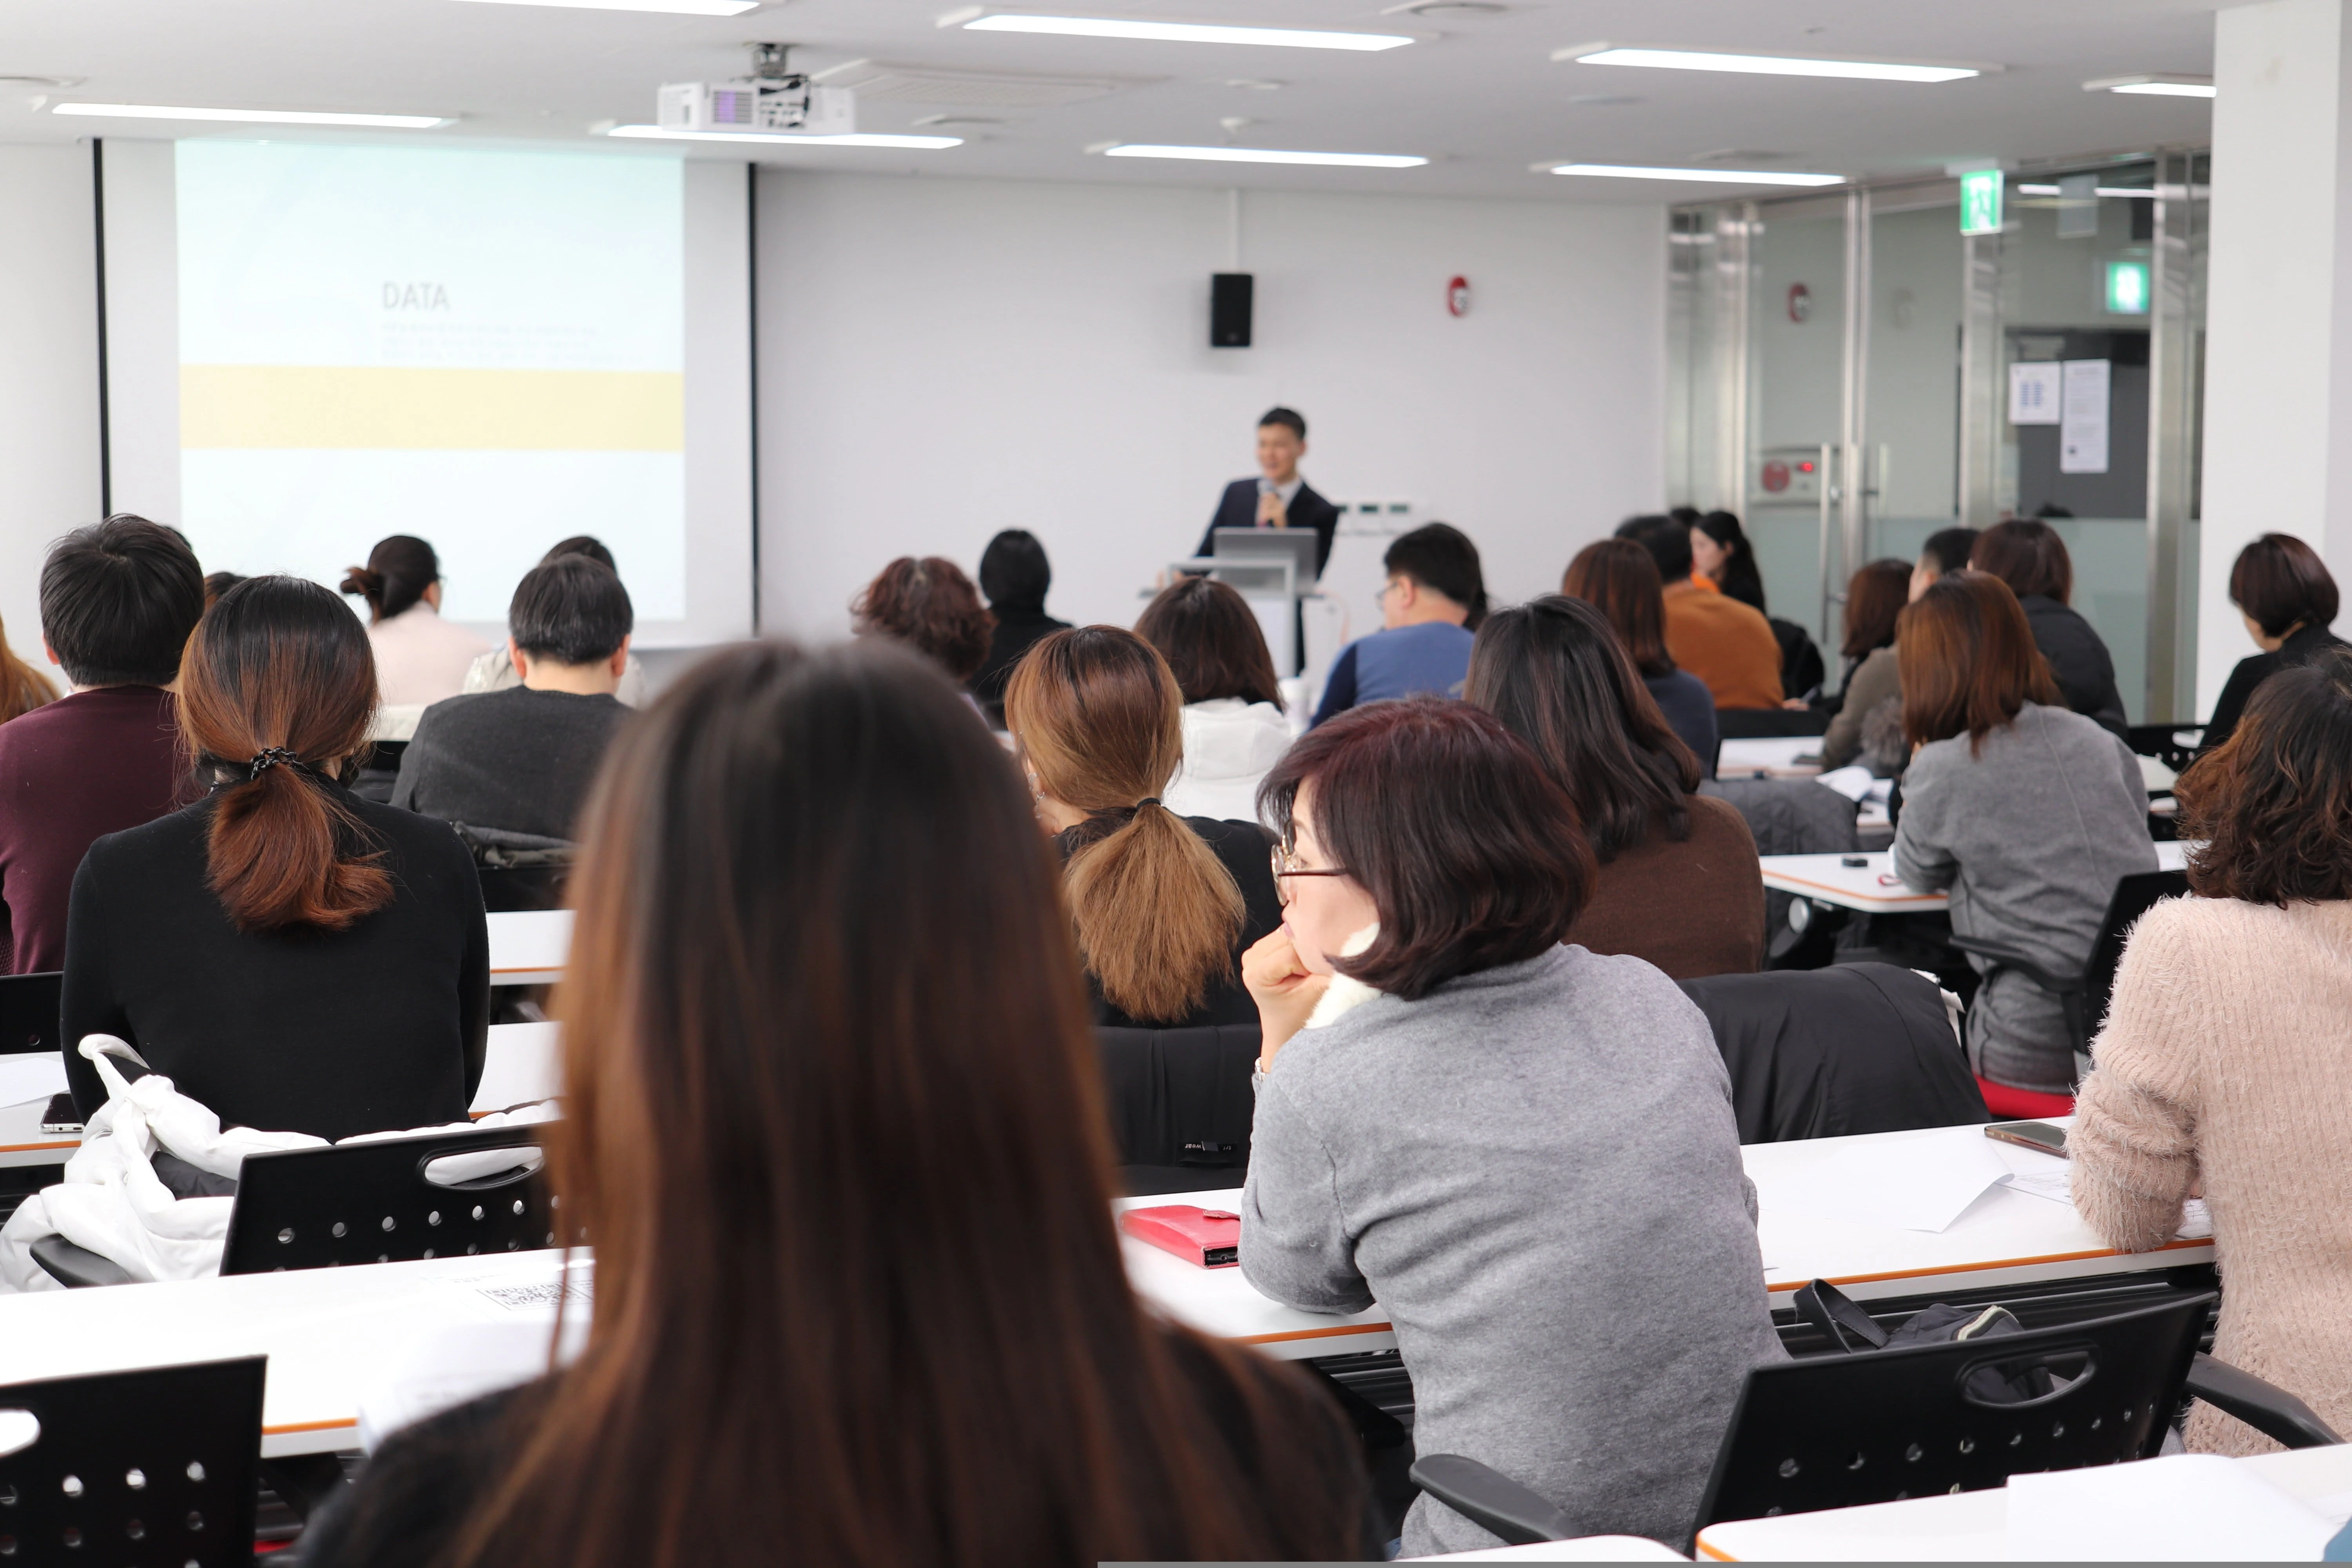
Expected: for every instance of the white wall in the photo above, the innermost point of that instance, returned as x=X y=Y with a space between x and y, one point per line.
x=49 y=371
x=939 y=359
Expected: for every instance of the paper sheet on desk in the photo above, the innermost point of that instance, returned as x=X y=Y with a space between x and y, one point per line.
x=2196 y=1219
x=2185 y=1508
x=1909 y=1184
x=27 y=1078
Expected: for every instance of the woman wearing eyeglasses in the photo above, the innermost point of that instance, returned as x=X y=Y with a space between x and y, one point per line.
x=1524 y=1152
x=1163 y=904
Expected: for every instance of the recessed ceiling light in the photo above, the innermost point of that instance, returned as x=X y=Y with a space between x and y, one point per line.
x=1762 y=65
x=1170 y=32
x=2155 y=84
x=943 y=121
x=2127 y=193
x=1697 y=177
x=252 y=116
x=1443 y=8
x=1262 y=155
x=1255 y=83
x=675 y=7
x=785 y=139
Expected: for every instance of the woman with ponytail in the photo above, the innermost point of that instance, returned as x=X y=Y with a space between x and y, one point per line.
x=419 y=657
x=296 y=957
x=1163 y=904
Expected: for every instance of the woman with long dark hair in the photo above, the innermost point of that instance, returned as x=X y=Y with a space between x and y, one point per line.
x=1235 y=727
x=834 y=1123
x=1874 y=597
x=1720 y=554
x=1620 y=579
x=1163 y=904
x=296 y=957
x=419 y=657
x=1679 y=884
x=2027 y=553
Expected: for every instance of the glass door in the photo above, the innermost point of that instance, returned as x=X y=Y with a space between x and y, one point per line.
x=1796 y=362
x=1913 y=404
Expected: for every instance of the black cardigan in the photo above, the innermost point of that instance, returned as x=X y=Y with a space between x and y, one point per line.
x=2305 y=645
x=302 y=1031
x=2085 y=671
x=1246 y=852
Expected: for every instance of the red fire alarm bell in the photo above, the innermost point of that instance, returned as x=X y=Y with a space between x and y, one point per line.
x=1457 y=297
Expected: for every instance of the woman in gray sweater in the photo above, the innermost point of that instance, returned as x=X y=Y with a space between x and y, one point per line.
x=2027 y=813
x=1525 y=1152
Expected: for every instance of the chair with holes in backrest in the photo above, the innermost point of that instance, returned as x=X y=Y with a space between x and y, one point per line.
x=148 y=1468
x=2083 y=998
x=29 y=1013
x=386 y=1202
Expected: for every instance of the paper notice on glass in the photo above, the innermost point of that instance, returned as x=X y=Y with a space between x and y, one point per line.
x=1904 y=1184
x=2184 y=1508
x=2033 y=392
x=2083 y=424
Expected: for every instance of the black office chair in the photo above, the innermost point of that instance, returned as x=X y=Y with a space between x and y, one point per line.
x=2084 y=997
x=378 y=772
x=1180 y=1105
x=29 y=1010
x=1835 y=1431
x=148 y=1467
x=1766 y=723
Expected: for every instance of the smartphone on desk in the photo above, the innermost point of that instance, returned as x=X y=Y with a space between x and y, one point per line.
x=2031 y=1135
x=62 y=1116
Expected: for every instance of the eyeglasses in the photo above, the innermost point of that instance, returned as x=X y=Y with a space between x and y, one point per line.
x=1285 y=864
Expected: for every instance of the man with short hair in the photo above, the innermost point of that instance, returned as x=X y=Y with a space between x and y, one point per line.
x=1728 y=644
x=118 y=601
x=1277 y=497
x=1430 y=610
x=518 y=762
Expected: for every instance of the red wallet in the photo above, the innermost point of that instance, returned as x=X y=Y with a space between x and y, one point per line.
x=1211 y=1238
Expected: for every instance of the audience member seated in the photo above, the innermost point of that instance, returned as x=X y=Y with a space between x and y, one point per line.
x=1722 y=558
x=1235 y=728
x=1679 y=884
x=834 y=1123
x=1728 y=644
x=2027 y=554
x=118 y=601
x=2027 y=813
x=219 y=583
x=2287 y=599
x=2222 y=1071
x=932 y=606
x=294 y=958
x=496 y=670
x=1429 y=608
x=1618 y=577
x=520 y=762
x=1869 y=684
x=1015 y=576
x=1163 y=904
x=22 y=687
x=419 y=657
x=1946 y=550
x=1519 y=1149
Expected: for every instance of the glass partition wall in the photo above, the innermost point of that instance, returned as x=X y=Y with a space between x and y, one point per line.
x=1851 y=372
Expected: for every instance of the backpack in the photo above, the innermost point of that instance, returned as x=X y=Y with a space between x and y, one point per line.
x=1855 y=1333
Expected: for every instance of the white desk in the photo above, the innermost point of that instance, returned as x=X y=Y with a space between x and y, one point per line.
x=528 y=947
x=1584 y=1548
x=1775 y=757
x=2007 y=1237
x=1968 y=1527
x=1825 y=879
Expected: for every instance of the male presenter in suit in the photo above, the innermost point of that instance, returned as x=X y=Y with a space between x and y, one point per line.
x=1277 y=498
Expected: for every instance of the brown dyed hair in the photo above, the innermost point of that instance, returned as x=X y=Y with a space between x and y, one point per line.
x=2273 y=801
x=1874 y=597
x=833 y=1118
x=1966 y=657
x=2026 y=553
x=1209 y=638
x=22 y=687
x=1622 y=578
x=1097 y=717
x=930 y=606
x=2281 y=581
x=1471 y=853
x=277 y=690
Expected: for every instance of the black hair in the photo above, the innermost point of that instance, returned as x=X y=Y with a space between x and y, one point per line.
x=1667 y=542
x=586 y=544
x=1950 y=548
x=1741 y=579
x=1438 y=555
x=398 y=572
x=219 y=583
x=1015 y=572
x=1289 y=419
x=572 y=610
x=118 y=601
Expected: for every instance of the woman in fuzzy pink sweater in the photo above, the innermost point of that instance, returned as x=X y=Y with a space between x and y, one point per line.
x=2225 y=1066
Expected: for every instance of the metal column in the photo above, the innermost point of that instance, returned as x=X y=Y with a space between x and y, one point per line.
x=2174 y=317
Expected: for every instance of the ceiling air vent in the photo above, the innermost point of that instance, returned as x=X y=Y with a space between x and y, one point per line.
x=880 y=81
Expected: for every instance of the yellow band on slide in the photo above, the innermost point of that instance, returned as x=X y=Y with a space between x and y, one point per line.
x=356 y=406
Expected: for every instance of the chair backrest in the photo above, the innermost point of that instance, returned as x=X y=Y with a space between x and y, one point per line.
x=1820 y=1053
x=2135 y=895
x=29 y=1007
x=379 y=1203
x=1833 y=1431
x=1179 y=1104
x=1762 y=723
x=155 y=1467
x=507 y=889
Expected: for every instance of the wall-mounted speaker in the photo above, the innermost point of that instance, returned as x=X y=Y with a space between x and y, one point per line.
x=1228 y=309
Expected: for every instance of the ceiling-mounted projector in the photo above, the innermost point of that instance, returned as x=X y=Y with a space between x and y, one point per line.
x=771 y=98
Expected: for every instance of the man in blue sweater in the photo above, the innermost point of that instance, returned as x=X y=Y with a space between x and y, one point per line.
x=1435 y=597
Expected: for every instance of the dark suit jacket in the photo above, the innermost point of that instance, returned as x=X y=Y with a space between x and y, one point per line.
x=1237 y=508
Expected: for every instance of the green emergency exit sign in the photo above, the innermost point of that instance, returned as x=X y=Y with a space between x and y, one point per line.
x=2128 y=288
x=1980 y=202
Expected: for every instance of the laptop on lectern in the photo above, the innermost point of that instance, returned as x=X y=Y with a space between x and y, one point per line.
x=1295 y=544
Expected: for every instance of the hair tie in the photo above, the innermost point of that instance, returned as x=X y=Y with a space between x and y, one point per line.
x=269 y=757
x=1148 y=800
